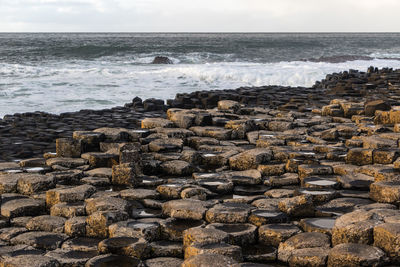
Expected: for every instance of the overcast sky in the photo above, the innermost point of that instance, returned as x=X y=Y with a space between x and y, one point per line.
x=199 y=15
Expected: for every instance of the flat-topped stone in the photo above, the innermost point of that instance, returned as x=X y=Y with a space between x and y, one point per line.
x=250 y=159
x=22 y=207
x=301 y=241
x=40 y=240
x=351 y=254
x=69 y=194
x=185 y=209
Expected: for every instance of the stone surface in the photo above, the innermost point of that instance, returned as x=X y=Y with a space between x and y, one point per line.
x=234 y=172
x=41 y=240
x=204 y=260
x=185 y=209
x=301 y=241
x=351 y=254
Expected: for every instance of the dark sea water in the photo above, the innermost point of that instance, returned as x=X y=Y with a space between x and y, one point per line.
x=70 y=71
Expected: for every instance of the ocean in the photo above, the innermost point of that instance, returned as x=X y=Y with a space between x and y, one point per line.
x=63 y=72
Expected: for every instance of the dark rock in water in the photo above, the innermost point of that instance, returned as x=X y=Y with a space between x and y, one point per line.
x=162 y=60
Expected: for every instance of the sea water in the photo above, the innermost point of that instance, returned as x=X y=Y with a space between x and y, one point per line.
x=62 y=72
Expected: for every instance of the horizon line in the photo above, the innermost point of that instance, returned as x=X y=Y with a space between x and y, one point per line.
x=205 y=32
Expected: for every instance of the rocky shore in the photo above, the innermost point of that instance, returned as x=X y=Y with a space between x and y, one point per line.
x=268 y=176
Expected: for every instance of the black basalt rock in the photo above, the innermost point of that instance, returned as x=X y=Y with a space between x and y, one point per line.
x=162 y=60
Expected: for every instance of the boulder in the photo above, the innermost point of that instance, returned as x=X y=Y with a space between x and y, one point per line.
x=161 y=60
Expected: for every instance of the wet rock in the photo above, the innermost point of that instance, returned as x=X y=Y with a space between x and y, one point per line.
x=355 y=255
x=161 y=60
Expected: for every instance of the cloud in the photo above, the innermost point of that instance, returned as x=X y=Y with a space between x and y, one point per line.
x=205 y=15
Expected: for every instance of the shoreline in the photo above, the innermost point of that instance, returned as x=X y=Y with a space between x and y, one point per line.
x=285 y=176
x=24 y=135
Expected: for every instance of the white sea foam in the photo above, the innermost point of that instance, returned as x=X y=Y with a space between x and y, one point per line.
x=70 y=86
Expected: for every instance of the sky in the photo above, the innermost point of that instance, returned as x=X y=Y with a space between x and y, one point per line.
x=199 y=16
